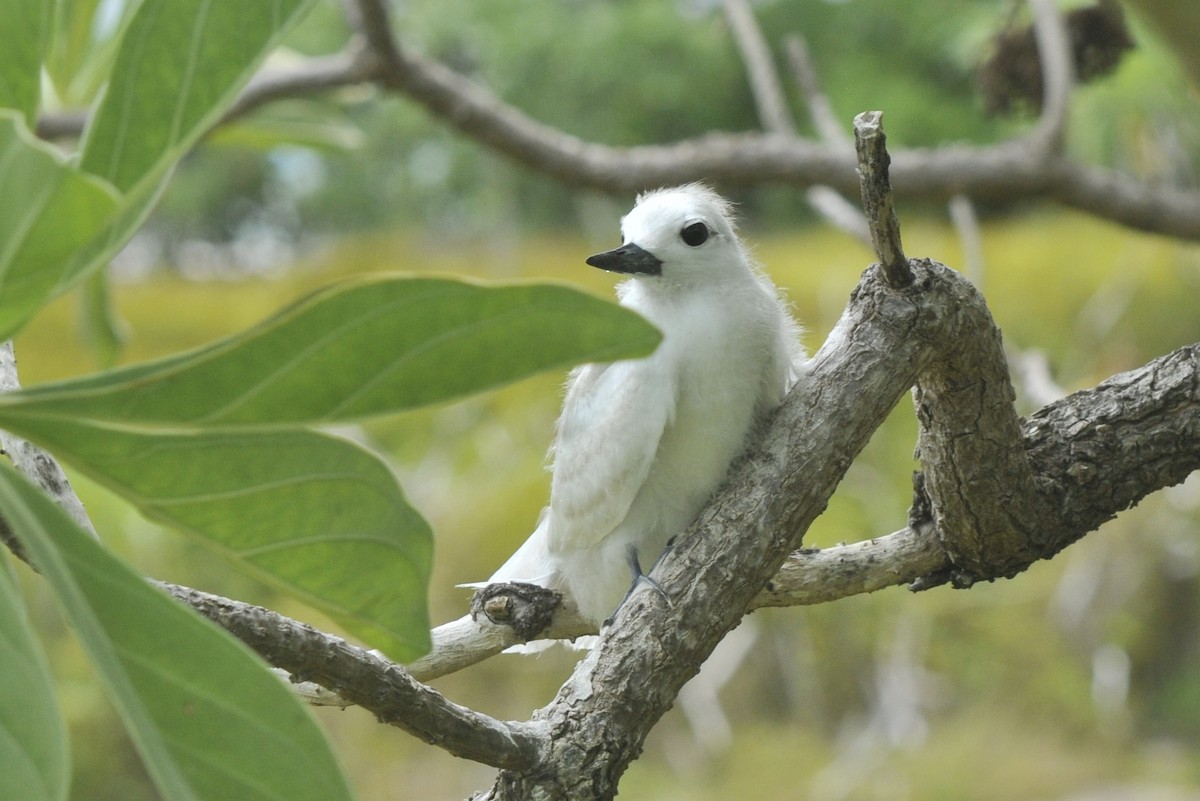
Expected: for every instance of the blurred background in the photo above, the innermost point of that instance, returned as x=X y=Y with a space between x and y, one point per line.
x=1079 y=679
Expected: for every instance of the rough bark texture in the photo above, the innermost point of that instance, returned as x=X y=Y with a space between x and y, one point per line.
x=976 y=475
x=870 y=143
x=1098 y=451
x=370 y=680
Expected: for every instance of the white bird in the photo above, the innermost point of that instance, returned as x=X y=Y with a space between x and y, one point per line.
x=642 y=444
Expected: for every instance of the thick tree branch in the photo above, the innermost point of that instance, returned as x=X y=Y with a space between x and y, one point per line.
x=1019 y=169
x=1100 y=451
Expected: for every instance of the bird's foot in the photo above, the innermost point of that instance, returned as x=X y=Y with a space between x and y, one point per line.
x=641 y=577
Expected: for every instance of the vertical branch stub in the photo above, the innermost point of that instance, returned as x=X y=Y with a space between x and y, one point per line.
x=870 y=144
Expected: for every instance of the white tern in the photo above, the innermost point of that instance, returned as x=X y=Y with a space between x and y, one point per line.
x=642 y=444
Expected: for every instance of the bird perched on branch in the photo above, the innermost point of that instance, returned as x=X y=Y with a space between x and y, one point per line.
x=642 y=444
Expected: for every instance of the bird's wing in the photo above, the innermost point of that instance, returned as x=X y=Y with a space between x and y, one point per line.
x=609 y=432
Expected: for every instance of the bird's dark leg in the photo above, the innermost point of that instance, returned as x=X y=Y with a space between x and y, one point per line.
x=670 y=546
x=640 y=577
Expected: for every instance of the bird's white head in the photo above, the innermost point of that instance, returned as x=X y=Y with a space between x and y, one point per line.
x=678 y=237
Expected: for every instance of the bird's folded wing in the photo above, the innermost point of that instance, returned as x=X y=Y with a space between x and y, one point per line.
x=613 y=419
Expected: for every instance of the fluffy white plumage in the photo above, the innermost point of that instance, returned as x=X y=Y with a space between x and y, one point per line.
x=642 y=444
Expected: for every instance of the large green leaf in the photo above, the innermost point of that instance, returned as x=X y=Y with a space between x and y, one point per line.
x=24 y=33
x=180 y=66
x=310 y=513
x=209 y=722
x=362 y=348
x=33 y=736
x=48 y=211
x=86 y=36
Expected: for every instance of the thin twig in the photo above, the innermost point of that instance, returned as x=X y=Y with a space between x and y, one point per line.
x=873 y=161
x=310 y=76
x=830 y=203
x=1058 y=73
x=775 y=117
x=769 y=98
x=370 y=20
x=820 y=110
x=966 y=224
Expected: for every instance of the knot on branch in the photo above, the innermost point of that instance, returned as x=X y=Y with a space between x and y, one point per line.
x=976 y=492
x=525 y=608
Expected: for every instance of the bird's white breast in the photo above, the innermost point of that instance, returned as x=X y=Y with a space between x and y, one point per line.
x=717 y=359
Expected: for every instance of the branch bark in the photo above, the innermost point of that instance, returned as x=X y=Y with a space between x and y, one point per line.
x=370 y=680
x=871 y=145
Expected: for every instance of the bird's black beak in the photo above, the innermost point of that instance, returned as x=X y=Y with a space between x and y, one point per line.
x=629 y=258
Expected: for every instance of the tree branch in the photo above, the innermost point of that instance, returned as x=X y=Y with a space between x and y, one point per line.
x=34 y=463
x=828 y=202
x=873 y=160
x=368 y=679
x=830 y=129
x=1058 y=74
x=769 y=98
x=1018 y=169
x=310 y=76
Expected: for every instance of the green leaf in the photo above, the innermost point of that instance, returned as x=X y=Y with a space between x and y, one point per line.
x=180 y=66
x=362 y=348
x=86 y=35
x=33 y=736
x=310 y=513
x=209 y=722
x=48 y=211
x=24 y=33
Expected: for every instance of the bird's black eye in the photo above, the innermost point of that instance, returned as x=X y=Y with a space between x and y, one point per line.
x=695 y=234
